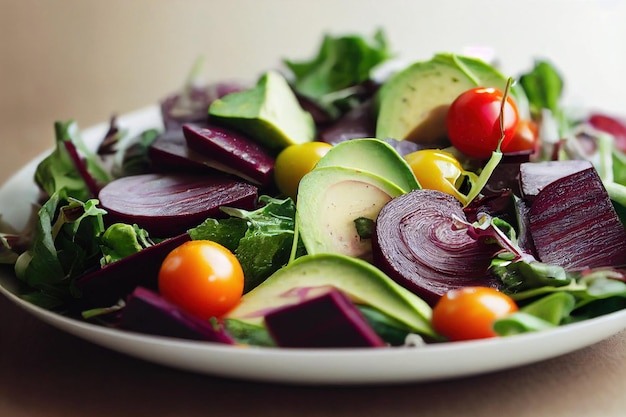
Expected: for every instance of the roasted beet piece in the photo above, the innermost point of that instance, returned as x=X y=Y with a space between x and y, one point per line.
x=107 y=285
x=535 y=176
x=329 y=320
x=573 y=223
x=170 y=204
x=169 y=153
x=148 y=312
x=238 y=153
x=417 y=243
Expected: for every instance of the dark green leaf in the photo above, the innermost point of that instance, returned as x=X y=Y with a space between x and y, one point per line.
x=364 y=227
x=543 y=86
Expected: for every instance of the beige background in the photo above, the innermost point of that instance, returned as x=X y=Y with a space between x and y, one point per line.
x=87 y=59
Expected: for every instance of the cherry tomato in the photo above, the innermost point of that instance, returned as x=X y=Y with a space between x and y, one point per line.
x=473 y=121
x=294 y=162
x=202 y=277
x=525 y=138
x=469 y=313
x=437 y=170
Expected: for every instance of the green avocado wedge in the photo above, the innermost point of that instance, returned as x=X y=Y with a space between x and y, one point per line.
x=329 y=201
x=373 y=156
x=269 y=113
x=309 y=275
x=413 y=103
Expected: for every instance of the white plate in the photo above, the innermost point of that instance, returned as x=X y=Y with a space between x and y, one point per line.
x=302 y=366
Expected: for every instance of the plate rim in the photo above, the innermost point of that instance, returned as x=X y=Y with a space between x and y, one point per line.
x=305 y=366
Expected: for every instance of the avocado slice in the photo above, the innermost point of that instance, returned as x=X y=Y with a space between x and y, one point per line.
x=269 y=113
x=359 y=154
x=361 y=281
x=414 y=102
x=329 y=201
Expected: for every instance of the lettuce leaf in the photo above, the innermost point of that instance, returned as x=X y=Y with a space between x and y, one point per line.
x=261 y=239
x=71 y=166
x=65 y=245
x=341 y=63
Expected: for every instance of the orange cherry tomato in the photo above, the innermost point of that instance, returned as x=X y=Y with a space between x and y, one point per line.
x=202 y=277
x=525 y=138
x=469 y=313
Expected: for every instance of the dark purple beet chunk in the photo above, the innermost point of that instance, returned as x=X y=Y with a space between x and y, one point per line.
x=169 y=152
x=148 y=312
x=170 y=204
x=535 y=176
x=233 y=150
x=417 y=243
x=107 y=285
x=330 y=320
x=574 y=225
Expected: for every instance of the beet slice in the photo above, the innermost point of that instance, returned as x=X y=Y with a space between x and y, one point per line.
x=534 y=176
x=170 y=204
x=417 y=243
x=573 y=223
x=235 y=151
x=169 y=153
x=148 y=312
x=107 y=285
x=329 y=320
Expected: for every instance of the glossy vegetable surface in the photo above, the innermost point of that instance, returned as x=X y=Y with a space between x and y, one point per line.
x=473 y=121
x=294 y=162
x=202 y=277
x=469 y=312
x=437 y=170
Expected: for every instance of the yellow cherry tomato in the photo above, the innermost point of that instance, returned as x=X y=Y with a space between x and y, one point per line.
x=294 y=162
x=438 y=170
x=202 y=277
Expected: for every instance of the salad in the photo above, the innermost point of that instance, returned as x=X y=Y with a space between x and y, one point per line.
x=337 y=203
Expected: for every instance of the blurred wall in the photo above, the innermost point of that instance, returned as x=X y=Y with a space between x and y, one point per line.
x=86 y=59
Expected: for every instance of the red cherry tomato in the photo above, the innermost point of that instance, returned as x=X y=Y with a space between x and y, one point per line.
x=473 y=121
x=525 y=138
x=469 y=313
x=202 y=277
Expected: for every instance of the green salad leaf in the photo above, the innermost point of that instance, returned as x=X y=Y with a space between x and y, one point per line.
x=65 y=245
x=261 y=239
x=65 y=168
x=121 y=240
x=543 y=86
x=341 y=63
x=550 y=296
